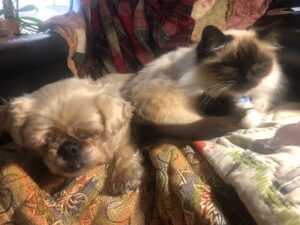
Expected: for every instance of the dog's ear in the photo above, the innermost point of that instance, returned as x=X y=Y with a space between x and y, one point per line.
x=15 y=115
x=3 y=117
x=116 y=112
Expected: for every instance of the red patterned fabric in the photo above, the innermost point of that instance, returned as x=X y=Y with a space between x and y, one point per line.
x=245 y=13
x=123 y=35
x=126 y=34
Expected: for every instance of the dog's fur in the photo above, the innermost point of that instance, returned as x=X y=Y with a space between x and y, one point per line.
x=76 y=124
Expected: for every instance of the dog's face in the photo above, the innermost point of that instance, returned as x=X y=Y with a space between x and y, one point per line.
x=71 y=124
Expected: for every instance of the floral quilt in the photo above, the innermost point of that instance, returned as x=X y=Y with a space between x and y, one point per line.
x=263 y=165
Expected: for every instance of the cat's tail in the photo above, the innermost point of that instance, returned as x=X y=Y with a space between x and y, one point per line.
x=148 y=133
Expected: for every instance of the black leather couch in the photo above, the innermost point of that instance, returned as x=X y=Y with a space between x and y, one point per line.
x=29 y=62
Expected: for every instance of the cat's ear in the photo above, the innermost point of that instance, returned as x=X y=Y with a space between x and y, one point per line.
x=267 y=32
x=211 y=38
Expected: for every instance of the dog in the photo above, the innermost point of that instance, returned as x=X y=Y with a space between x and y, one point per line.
x=74 y=125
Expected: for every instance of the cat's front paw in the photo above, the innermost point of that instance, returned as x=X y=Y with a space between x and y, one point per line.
x=251 y=119
x=262 y=105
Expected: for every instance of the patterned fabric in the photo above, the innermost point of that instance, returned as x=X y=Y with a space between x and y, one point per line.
x=188 y=200
x=244 y=13
x=226 y=14
x=263 y=165
x=72 y=28
x=208 y=12
x=174 y=191
x=124 y=35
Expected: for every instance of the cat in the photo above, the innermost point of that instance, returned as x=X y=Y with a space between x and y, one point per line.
x=233 y=63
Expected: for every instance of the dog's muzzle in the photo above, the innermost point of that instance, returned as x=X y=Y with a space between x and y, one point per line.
x=71 y=152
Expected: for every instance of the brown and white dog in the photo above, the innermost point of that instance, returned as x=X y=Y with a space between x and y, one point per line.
x=74 y=125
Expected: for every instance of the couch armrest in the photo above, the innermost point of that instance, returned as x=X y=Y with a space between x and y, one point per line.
x=28 y=62
x=31 y=51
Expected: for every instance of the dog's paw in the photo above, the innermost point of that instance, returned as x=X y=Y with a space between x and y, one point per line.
x=126 y=175
x=120 y=186
x=124 y=182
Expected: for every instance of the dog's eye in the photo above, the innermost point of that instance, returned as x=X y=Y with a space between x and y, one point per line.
x=85 y=134
x=46 y=143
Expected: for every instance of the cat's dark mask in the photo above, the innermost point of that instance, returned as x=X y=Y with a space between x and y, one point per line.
x=243 y=66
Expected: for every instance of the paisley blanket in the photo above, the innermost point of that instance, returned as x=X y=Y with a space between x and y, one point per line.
x=176 y=190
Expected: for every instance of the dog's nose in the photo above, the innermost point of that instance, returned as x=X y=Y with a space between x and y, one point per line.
x=69 y=150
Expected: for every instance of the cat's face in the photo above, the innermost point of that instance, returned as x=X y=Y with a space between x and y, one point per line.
x=235 y=61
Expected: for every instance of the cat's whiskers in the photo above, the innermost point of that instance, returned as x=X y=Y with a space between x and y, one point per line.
x=215 y=91
x=226 y=86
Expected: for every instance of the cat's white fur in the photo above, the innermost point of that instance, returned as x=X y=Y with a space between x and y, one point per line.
x=263 y=96
x=162 y=91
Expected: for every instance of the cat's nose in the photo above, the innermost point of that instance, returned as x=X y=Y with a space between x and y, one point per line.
x=70 y=150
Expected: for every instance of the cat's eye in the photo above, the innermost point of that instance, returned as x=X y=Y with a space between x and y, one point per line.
x=260 y=67
x=229 y=63
x=259 y=64
x=226 y=77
